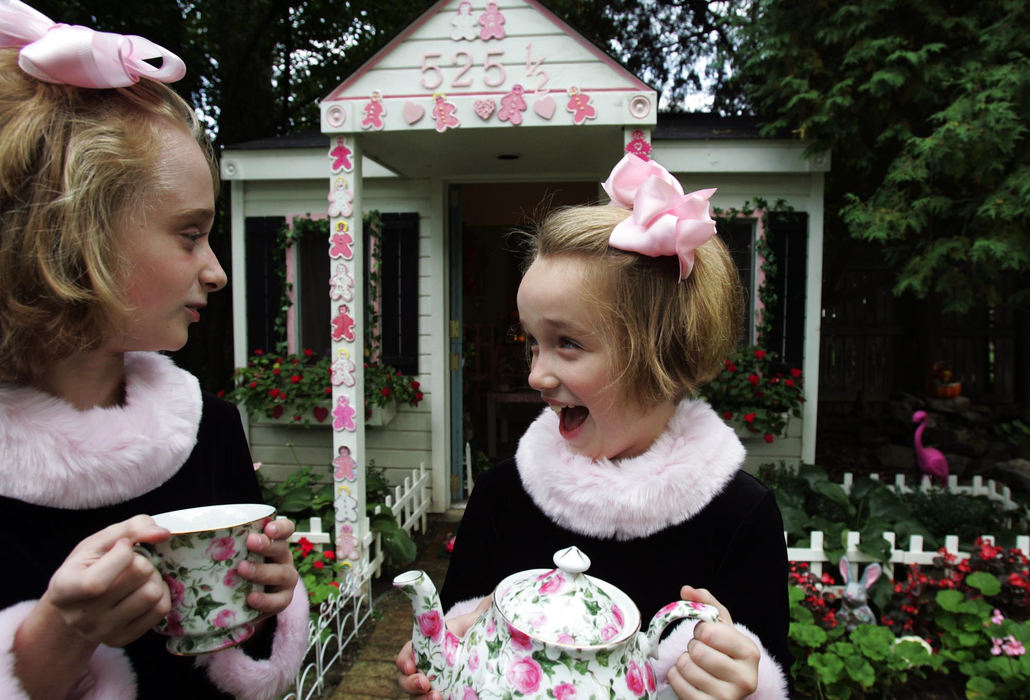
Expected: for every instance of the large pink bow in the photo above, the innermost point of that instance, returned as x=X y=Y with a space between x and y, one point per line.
x=664 y=220
x=74 y=55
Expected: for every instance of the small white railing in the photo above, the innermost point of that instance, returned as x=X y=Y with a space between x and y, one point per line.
x=340 y=618
x=815 y=555
x=978 y=487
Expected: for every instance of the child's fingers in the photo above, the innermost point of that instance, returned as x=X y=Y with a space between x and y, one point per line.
x=720 y=662
x=703 y=595
x=409 y=679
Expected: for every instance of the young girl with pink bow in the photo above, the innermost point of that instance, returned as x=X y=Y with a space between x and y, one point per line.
x=107 y=198
x=627 y=308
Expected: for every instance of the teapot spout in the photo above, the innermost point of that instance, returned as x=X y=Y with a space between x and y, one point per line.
x=428 y=629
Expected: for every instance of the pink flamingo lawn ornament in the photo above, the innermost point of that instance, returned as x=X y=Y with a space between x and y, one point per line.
x=931 y=461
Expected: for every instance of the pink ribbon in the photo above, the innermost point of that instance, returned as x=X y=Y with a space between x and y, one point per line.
x=75 y=55
x=664 y=220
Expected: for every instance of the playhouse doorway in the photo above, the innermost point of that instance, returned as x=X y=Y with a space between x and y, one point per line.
x=497 y=402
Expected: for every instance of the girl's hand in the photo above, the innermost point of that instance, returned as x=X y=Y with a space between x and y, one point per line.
x=720 y=661
x=410 y=679
x=103 y=593
x=277 y=573
x=107 y=593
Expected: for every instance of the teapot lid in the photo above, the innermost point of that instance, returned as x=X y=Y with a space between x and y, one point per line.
x=565 y=606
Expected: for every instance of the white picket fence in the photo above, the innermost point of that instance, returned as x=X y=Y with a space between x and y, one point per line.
x=815 y=555
x=340 y=618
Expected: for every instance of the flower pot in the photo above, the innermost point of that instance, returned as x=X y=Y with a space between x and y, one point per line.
x=379 y=416
x=947 y=390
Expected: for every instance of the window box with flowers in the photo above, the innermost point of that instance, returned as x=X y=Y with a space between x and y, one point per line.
x=755 y=395
x=295 y=388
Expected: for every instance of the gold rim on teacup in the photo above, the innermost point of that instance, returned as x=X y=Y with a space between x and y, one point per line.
x=239 y=514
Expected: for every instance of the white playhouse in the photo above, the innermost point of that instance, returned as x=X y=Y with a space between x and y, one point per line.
x=459 y=132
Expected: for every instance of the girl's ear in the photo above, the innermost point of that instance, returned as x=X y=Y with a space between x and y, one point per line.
x=845 y=572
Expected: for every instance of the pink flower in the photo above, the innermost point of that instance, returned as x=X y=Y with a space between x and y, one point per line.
x=554 y=585
x=651 y=682
x=450 y=648
x=997 y=618
x=172 y=624
x=635 y=679
x=221 y=548
x=225 y=618
x=176 y=588
x=668 y=608
x=431 y=624
x=524 y=675
x=565 y=691
x=474 y=660
x=618 y=616
x=469 y=694
x=520 y=640
x=609 y=632
x=230 y=578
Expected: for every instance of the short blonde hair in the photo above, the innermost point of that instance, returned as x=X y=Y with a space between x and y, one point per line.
x=664 y=337
x=74 y=162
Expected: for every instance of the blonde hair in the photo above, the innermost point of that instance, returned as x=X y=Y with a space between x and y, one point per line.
x=74 y=163
x=664 y=337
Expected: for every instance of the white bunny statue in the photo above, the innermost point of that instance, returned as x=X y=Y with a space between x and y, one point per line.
x=854 y=609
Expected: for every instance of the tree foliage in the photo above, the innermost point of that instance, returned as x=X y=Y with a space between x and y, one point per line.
x=924 y=106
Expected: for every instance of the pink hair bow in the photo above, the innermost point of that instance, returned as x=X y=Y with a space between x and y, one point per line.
x=664 y=220
x=75 y=55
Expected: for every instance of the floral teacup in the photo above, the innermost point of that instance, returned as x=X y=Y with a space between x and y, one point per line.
x=199 y=563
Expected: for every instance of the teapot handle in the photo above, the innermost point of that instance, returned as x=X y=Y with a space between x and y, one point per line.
x=679 y=610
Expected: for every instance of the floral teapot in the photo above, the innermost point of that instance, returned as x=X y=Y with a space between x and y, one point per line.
x=548 y=634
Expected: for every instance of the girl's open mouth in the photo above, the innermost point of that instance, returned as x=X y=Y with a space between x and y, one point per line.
x=570 y=418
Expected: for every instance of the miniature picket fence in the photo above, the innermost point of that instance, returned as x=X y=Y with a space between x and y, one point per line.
x=340 y=618
x=816 y=557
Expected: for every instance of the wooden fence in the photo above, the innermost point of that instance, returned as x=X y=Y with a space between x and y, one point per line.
x=815 y=555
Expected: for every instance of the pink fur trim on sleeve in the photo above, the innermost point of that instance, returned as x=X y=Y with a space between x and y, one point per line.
x=462 y=607
x=772 y=683
x=265 y=679
x=108 y=674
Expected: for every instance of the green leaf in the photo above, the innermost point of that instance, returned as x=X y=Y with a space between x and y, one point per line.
x=986 y=583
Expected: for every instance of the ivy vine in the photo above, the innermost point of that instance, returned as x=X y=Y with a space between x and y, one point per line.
x=302 y=227
x=763 y=249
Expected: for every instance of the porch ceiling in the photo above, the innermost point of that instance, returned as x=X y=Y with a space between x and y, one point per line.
x=579 y=152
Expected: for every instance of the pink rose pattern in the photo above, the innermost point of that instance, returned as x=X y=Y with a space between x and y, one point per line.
x=431 y=624
x=635 y=679
x=565 y=691
x=221 y=548
x=208 y=596
x=524 y=674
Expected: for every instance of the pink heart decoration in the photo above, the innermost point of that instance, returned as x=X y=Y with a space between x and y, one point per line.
x=413 y=112
x=544 y=107
x=484 y=108
x=320 y=412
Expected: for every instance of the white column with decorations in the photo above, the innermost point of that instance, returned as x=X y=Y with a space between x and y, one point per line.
x=347 y=301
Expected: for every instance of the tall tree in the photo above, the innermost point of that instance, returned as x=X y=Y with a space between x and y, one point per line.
x=924 y=107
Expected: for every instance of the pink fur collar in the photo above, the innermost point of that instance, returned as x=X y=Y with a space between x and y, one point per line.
x=684 y=469
x=54 y=455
